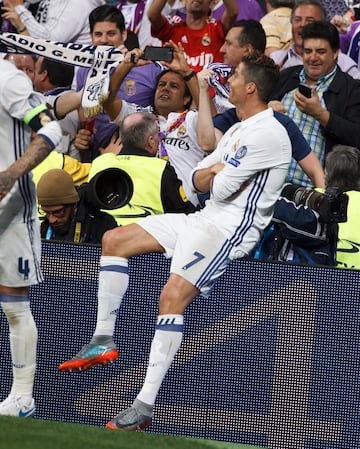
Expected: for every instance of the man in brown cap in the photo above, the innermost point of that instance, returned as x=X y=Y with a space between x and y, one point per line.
x=67 y=215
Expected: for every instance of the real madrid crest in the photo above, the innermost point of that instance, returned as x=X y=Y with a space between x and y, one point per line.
x=206 y=41
x=181 y=131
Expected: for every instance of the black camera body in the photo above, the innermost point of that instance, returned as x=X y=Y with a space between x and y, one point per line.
x=330 y=205
x=109 y=189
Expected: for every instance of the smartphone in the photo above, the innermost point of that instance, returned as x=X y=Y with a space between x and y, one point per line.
x=305 y=90
x=158 y=53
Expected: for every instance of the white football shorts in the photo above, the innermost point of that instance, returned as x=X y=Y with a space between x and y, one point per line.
x=20 y=245
x=199 y=250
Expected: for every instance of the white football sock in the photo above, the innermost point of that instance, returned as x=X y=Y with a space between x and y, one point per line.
x=23 y=340
x=113 y=283
x=165 y=344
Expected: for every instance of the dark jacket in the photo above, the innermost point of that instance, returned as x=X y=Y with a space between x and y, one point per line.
x=89 y=221
x=342 y=100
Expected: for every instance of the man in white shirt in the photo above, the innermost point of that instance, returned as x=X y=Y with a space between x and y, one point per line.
x=22 y=112
x=245 y=175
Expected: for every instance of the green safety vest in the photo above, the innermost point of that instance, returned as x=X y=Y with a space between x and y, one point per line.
x=348 y=246
x=146 y=174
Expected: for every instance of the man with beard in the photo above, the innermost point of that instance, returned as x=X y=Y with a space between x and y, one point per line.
x=66 y=216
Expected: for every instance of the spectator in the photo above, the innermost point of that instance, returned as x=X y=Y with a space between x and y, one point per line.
x=200 y=36
x=243 y=37
x=276 y=24
x=304 y=12
x=52 y=79
x=332 y=113
x=25 y=62
x=245 y=175
x=68 y=214
x=157 y=189
x=107 y=27
x=172 y=100
x=309 y=227
x=63 y=21
x=137 y=21
x=342 y=167
x=209 y=136
x=21 y=111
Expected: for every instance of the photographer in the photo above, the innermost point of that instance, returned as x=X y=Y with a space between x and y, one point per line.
x=67 y=214
x=312 y=227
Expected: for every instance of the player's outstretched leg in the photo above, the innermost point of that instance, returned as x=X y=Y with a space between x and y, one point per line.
x=100 y=351
x=137 y=417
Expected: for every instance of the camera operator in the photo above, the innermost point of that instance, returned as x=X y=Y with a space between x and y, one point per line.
x=343 y=170
x=316 y=227
x=66 y=212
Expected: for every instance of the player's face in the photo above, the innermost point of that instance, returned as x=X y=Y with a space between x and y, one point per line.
x=237 y=86
x=303 y=15
x=24 y=63
x=38 y=78
x=231 y=49
x=170 y=94
x=318 y=58
x=107 y=33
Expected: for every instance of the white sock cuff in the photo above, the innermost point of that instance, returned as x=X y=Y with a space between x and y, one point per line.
x=113 y=260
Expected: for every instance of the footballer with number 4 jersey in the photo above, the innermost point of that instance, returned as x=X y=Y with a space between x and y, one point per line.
x=22 y=112
x=245 y=175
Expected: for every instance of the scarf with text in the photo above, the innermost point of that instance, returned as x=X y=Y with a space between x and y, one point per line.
x=99 y=59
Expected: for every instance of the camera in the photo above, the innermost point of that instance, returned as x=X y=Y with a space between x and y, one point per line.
x=109 y=189
x=330 y=205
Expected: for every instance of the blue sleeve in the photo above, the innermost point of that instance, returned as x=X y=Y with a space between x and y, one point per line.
x=225 y=120
x=300 y=146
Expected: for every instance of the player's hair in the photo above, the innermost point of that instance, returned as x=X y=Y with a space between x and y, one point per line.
x=342 y=167
x=106 y=13
x=322 y=29
x=59 y=74
x=187 y=92
x=141 y=126
x=314 y=3
x=251 y=33
x=261 y=70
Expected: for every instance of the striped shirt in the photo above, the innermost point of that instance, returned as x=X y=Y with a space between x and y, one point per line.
x=308 y=125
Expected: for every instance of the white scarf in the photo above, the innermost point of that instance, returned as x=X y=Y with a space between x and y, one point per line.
x=98 y=58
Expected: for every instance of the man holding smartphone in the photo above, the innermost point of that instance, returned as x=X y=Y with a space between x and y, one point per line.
x=329 y=113
x=199 y=34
